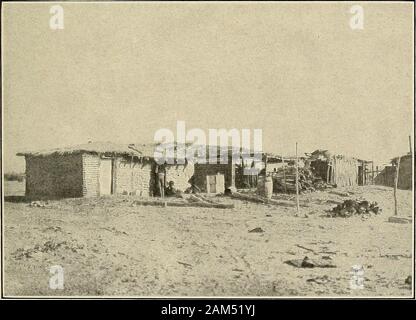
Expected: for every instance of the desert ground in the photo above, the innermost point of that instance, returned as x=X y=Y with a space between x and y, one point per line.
x=107 y=246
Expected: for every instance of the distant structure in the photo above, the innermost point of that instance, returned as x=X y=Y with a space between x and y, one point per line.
x=387 y=175
x=340 y=170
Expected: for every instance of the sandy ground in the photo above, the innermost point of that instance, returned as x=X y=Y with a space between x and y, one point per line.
x=109 y=247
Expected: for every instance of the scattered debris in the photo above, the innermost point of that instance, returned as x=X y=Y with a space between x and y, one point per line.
x=304 y=248
x=263 y=200
x=332 y=201
x=115 y=231
x=185 y=264
x=48 y=246
x=395 y=256
x=319 y=280
x=256 y=230
x=354 y=207
x=246 y=197
x=54 y=229
x=396 y=219
x=39 y=204
x=326 y=258
x=341 y=194
x=327 y=252
x=284 y=180
x=192 y=202
x=309 y=263
x=202 y=205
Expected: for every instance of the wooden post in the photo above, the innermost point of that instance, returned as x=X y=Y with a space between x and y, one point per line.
x=265 y=164
x=232 y=176
x=372 y=172
x=327 y=173
x=365 y=175
x=396 y=180
x=297 y=181
x=284 y=175
x=131 y=175
x=410 y=144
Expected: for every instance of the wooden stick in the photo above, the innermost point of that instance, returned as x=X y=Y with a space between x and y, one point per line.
x=327 y=173
x=246 y=197
x=262 y=200
x=203 y=198
x=195 y=198
x=284 y=175
x=199 y=204
x=396 y=180
x=297 y=181
x=372 y=172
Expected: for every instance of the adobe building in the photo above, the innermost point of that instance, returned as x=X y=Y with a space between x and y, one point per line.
x=97 y=169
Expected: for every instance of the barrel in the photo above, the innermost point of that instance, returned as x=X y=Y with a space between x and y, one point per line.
x=268 y=187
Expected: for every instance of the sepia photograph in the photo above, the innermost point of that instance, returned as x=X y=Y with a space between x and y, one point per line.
x=213 y=149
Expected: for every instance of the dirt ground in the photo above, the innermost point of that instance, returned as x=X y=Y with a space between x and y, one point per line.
x=108 y=247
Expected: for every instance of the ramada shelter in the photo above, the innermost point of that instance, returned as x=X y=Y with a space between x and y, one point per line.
x=340 y=170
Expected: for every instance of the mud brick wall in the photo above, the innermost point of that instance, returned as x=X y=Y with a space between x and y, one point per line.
x=405 y=174
x=90 y=173
x=386 y=177
x=132 y=177
x=180 y=175
x=54 y=176
x=204 y=170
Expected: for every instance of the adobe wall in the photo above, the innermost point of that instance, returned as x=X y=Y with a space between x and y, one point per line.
x=54 y=176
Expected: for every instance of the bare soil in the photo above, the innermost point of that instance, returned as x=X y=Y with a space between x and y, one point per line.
x=109 y=247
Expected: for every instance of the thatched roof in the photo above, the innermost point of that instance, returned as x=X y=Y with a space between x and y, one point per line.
x=106 y=148
x=149 y=149
x=112 y=149
x=278 y=157
x=403 y=157
x=326 y=155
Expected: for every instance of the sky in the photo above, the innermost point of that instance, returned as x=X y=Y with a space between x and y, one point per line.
x=121 y=71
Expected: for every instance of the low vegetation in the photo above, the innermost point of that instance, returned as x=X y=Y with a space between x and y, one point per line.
x=13 y=176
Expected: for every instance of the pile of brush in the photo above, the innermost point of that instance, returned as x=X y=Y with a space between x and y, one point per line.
x=354 y=207
x=284 y=180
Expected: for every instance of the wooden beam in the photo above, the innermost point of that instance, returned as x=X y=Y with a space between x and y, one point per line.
x=199 y=204
x=372 y=172
x=284 y=174
x=396 y=180
x=261 y=200
x=297 y=180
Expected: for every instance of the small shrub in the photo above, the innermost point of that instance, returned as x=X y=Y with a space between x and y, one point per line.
x=12 y=176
